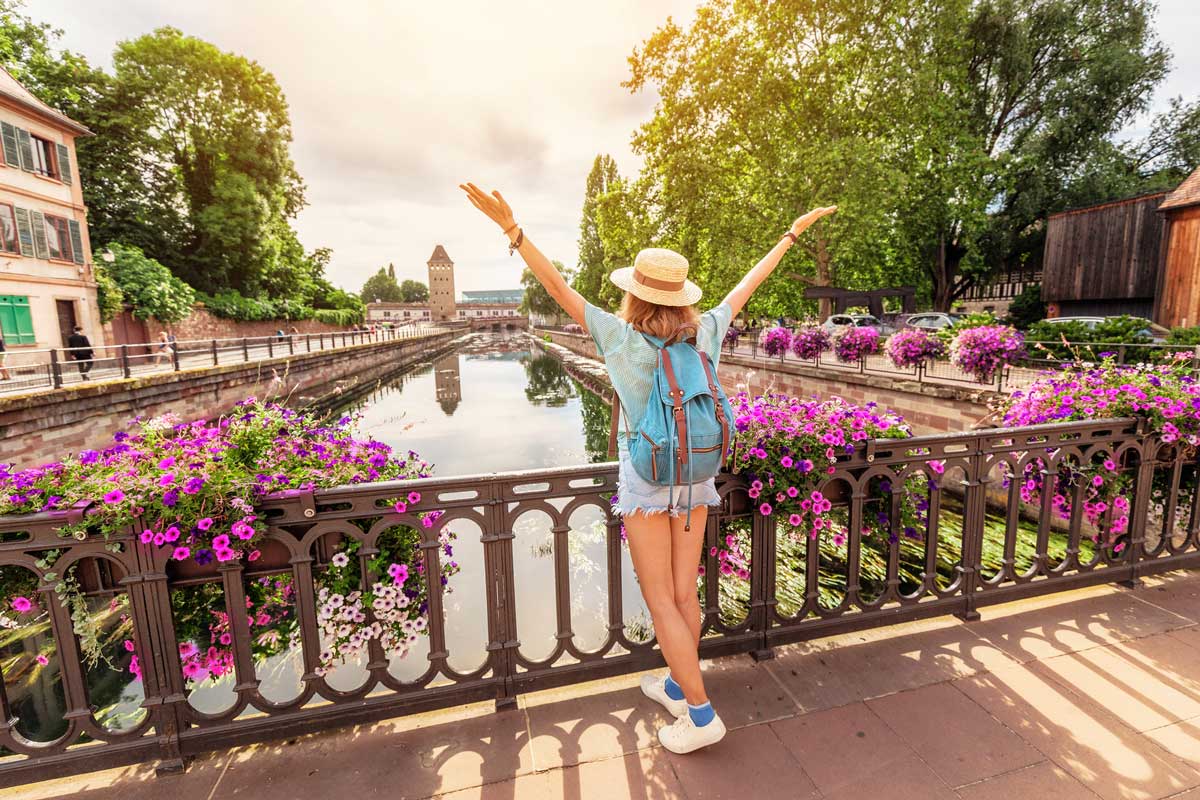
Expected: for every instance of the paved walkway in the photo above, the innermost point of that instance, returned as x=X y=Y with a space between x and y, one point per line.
x=1094 y=693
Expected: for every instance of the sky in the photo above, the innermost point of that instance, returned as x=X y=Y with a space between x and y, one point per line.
x=394 y=103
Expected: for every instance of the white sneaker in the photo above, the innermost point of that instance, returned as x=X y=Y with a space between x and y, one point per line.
x=683 y=736
x=656 y=690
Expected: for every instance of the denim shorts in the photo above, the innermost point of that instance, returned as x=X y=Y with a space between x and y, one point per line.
x=635 y=493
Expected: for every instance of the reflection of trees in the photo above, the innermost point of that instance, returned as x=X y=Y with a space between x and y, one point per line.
x=596 y=415
x=547 y=383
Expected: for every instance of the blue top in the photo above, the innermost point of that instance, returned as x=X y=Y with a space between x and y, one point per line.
x=631 y=359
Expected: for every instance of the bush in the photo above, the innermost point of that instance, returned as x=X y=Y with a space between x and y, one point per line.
x=776 y=341
x=148 y=287
x=912 y=347
x=339 y=317
x=854 y=344
x=1026 y=308
x=1052 y=338
x=109 y=296
x=983 y=350
x=810 y=342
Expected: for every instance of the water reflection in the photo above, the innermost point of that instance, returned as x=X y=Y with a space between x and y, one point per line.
x=491 y=405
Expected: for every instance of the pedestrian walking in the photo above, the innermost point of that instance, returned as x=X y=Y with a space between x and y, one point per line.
x=81 y=350
x=163 y=349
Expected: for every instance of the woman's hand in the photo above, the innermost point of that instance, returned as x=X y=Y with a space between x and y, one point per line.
x=494 y=205
x=801 y=224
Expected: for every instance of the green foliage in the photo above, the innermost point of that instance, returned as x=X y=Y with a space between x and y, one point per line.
x=976 y=320
x=537 y=300
x=1185 y=336
x=382 y=286
x=591 y=281
x=341 y=317
x=109 y=296
x=148 y=286
x=412 y=291
x=1050 y=336
x=1026 y=308
x=231 y=305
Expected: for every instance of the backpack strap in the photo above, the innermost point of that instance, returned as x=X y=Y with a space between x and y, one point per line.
x=712 y=389
x=677 y=408
x=612 y=430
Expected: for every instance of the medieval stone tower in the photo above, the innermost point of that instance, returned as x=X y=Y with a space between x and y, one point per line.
x=441 y=286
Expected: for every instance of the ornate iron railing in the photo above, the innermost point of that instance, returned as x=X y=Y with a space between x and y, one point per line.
x=547 y=596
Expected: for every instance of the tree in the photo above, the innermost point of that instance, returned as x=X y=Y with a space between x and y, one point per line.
x=590 y=281
x=767 y=109
x=536 y=299
x=382 y=286
x=149 y=287
x=413 y=291
x=1032 y=92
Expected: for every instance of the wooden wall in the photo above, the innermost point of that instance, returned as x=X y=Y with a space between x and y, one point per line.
x=1178 y=302
x=1105 y=252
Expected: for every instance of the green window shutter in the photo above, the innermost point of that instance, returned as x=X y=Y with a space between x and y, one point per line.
x=64 y=164
x=76 y=241
x=8 y=133
x=25 y=232
x=16 y=320
x=25 y=147
x=38 y=220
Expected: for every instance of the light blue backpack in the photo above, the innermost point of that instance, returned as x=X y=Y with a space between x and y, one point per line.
x=684 y=433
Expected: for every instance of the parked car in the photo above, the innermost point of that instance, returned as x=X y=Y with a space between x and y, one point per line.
x=932 y=320
x=838 y=321
x=1157 y=333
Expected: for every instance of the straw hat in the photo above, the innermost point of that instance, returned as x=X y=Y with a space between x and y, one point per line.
x=658 y=275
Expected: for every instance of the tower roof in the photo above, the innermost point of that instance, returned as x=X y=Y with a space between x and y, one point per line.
x=439 y=256
x=1186 y=194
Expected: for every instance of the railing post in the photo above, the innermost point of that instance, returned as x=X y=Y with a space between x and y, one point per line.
x=291 y=345
x=216 y=358
x=762 y=582
x=1139 y=511
x=500 y=591
x=56 y=378
x=321 y=339
x=270 y=347
x=125 y=370
x=308 y=342
x=974 y=516
x=245 y=349
x=174 y=355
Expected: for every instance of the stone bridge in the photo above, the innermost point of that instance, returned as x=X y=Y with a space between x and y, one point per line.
x=498 y=323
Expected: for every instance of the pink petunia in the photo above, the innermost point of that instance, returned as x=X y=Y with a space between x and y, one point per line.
x=21 y=604
x=181 y=553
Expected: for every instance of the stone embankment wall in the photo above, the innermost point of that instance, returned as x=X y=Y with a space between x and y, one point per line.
x=45 y=426
x=203 y=324
x=929 y=408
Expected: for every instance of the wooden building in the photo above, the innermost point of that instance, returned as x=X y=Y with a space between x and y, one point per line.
x=1105 y=259
x=1138 y=256
x=1178 y=297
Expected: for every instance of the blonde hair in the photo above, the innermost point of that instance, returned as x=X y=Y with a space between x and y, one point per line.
x=656 y=320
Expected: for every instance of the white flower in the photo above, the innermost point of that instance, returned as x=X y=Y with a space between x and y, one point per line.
x=340 y=559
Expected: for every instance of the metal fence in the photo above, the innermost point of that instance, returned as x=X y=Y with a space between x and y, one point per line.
x=546 y=596
x=1042 y=356
x=53 y=368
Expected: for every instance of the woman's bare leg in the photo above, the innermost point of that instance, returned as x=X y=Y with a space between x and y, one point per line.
x=650 y=543
x=686 y=547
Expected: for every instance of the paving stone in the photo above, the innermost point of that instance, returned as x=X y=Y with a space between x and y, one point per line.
x=1146 y=683
x=1181 y=740
x=1039 y=781
x=850 y=752
x=129 y=783
x=1040 y=628
x=749 y=762
x=1176 y=591
x=1078 y=735
x=374 y=761
x=959 y=741
x=611 y=719
x=744 y=692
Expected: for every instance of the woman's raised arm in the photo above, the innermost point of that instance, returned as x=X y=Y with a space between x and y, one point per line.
x=763 y=269
x=498 y=211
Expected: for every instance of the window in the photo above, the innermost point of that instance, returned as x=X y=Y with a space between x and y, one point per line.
x=58 y=238
x=8 y=230
x=43 y=156
x=15 y=320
